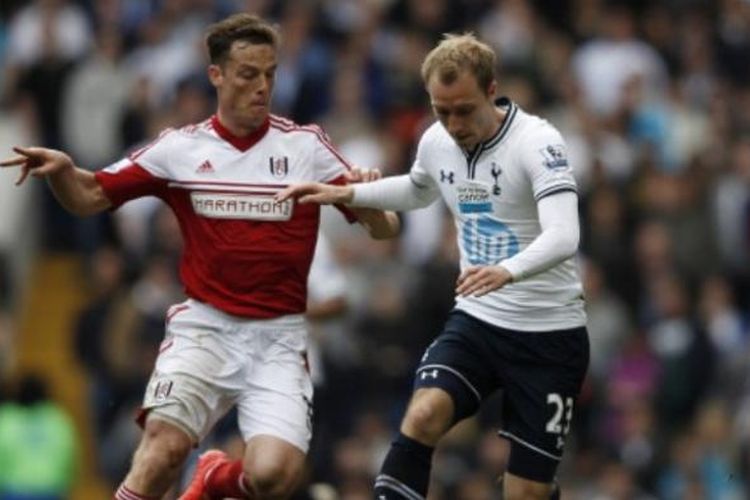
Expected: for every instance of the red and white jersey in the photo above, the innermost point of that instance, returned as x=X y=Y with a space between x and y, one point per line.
x=244 y=254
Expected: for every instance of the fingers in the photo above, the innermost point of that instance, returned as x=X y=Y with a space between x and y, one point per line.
x=469 y=271
x=479 y=281
x=23 y=151
x=353 y=175
x=294 y=191
x=24 y=174
x=357 y=174
x=315 y=192
x=37 y=162
x=13 y=162
x=470 y=281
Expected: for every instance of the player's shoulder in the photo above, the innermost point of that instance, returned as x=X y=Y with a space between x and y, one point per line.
x=193 y=131
x=435 y=138
x=179 y=136
x=292 y=130
x=532 y=128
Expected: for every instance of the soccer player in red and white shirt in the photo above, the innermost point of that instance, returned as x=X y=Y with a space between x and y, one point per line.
x=240 y=338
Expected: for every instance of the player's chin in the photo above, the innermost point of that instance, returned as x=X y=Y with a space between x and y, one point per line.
x=256 y=115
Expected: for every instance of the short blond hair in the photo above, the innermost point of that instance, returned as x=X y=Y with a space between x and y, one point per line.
x=458 y=53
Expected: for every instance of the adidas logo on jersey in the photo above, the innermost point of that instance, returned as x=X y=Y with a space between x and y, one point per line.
x=205 y=168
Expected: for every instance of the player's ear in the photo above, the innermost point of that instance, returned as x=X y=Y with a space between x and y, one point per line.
x=215 y=75
x=492 y=89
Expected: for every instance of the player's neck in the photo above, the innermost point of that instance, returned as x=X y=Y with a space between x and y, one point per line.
x=498 y=118
x=235 y=127
x=494 y=123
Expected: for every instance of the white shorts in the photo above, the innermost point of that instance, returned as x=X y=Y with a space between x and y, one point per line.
x=210 y=361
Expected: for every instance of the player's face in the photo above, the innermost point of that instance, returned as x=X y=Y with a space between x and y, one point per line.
x=466 y=111
x=244 y=82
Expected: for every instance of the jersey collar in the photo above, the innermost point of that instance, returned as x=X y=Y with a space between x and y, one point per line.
x=472 y=157
x=502 y=131
x=242 y=143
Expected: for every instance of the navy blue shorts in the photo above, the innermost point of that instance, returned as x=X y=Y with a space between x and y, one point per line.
x=540 y=374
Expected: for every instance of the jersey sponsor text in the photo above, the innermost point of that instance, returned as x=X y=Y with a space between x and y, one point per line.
x=241 y=206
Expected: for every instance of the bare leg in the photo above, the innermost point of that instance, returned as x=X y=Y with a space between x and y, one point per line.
x=159 y=458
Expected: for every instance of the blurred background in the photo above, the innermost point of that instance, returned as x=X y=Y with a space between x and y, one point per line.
x=653 y=99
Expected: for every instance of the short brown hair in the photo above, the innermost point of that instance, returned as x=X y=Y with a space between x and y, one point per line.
x=458 y=53
x=246 y=27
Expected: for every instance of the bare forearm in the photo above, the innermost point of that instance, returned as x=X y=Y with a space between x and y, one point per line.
x=379 y=224
x=78 y=191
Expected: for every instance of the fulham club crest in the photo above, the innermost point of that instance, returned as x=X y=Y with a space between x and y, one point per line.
x=279 y=166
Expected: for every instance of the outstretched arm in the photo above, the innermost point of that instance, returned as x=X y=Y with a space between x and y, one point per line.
x=392 y=193
x=76 y=189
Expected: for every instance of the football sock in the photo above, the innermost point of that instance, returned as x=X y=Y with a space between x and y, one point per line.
x=406 y=471
x=227 y=480
x=555 y=495
x=125 y=493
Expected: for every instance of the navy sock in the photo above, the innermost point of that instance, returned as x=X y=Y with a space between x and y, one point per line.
x=406 y=471
x=555 y=495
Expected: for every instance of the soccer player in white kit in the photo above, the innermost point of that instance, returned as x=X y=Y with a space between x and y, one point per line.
x=240 y=338
x=519 y=321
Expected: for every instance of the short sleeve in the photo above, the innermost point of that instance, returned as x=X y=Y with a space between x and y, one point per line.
x=125 y=180
x=328 y=162
x=544 y=157
x=144 y=172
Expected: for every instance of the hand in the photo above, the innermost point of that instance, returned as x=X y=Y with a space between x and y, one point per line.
x=316 y=192
x=357 y=174
x=38 y=162
x=480 y=280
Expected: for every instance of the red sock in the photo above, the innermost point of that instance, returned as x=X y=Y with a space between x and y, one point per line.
x=227 y=480
x=125 y=493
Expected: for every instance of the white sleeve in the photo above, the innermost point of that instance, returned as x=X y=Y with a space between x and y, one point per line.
x=403 y=192
x=558 y=241
x=392 y=193
x=544 y=157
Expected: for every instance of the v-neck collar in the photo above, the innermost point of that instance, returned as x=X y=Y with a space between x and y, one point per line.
x=473 y=156
x=242 y=143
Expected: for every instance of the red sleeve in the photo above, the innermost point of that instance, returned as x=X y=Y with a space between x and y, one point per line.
x=348 y=214
x=129 y=182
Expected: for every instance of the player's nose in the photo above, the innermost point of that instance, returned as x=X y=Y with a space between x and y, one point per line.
x=264 y=87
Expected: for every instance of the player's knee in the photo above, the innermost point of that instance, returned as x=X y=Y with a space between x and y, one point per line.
x=272 y=480
x=427 y=419
x=163 y=447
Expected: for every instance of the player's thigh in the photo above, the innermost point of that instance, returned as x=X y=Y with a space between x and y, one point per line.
x=198 y=371
x=457 y=363
x=278 y=399
x=543 y=373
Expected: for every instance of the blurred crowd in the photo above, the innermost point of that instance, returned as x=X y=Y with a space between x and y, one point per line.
x=653 y=99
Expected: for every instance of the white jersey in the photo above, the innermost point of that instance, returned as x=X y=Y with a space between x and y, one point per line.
x=493 y=194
